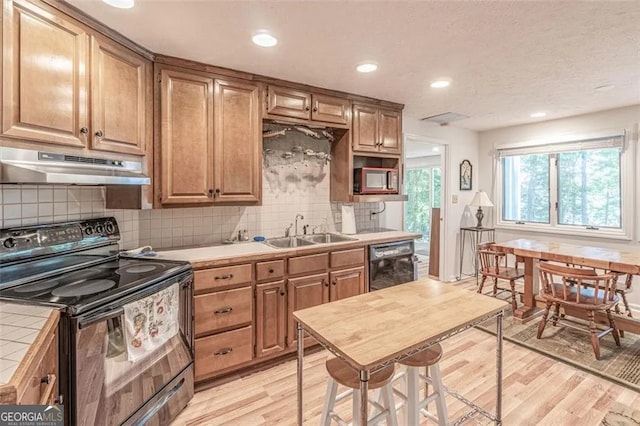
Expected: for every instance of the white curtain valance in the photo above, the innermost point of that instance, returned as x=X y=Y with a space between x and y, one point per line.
x=615 y=141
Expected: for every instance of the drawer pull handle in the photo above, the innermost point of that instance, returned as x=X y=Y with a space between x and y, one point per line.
x=224 y=351
x=224 y=277
x=50 y=380
x=224 y=310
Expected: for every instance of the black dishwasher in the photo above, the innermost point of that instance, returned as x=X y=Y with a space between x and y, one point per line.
x=391 y=264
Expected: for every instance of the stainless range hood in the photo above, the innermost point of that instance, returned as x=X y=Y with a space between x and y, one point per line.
x=40 y=167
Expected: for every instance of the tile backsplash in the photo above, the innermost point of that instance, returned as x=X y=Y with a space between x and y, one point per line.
x=299 y=188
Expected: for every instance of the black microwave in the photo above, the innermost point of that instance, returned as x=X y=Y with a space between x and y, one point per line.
x=375 y=180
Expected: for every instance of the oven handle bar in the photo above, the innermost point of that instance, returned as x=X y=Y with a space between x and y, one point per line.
x=102 y=316
x=161 y=403
x=116 y=308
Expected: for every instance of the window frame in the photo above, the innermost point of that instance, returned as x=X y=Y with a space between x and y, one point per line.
x=627 y=188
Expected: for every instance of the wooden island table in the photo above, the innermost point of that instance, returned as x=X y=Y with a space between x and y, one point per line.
x=593 y=257
x=373 y=330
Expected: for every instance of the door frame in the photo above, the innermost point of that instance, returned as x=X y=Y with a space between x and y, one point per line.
x=444 y=191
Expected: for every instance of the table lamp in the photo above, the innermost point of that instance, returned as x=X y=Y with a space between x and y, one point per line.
x=480 y=200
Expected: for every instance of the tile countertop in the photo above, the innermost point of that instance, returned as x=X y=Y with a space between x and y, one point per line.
x=202 y=257
x=19 y=327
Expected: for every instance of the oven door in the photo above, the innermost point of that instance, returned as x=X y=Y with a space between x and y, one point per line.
x=105 y=387
x=392 y=271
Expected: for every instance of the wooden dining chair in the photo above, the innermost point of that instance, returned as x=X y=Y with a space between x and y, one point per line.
x=580 y=291
x=493 y=264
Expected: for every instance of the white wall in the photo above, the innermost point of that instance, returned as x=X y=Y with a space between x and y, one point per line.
x=461 y=144
x=612 y=120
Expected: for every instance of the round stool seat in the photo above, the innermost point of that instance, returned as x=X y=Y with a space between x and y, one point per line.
x=425 y=358
x=347 y=376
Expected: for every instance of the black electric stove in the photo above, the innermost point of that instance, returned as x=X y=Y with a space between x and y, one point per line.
x=74 y=266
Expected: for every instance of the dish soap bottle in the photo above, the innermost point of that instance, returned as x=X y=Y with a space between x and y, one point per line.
x=245 y=235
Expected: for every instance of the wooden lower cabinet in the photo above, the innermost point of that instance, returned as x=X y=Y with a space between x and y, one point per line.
x=222 y=351
x=346 y=283
x=304 y=292
x=271 y=309
x=223 y=310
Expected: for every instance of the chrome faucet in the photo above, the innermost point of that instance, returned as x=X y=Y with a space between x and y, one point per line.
x=298 y=216
x=287 y=230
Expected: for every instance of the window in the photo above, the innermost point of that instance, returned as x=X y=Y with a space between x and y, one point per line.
x=565 y=186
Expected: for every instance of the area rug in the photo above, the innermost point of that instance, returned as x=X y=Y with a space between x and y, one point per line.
x=573 y=346
x=621 y=415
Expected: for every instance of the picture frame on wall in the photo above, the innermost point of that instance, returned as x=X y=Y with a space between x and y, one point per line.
x=466 y=176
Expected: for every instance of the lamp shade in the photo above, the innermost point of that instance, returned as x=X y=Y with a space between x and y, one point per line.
x=481 y=199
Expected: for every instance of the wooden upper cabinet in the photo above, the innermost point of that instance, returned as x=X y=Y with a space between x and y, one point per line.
x=121 y=98
x=330 y=109
x=45 y=77
x=237 y=142
x=390 y=131
x=186 y=137
x=365 y=128
x=304 y=106
x=288 y=102
x=377 y=130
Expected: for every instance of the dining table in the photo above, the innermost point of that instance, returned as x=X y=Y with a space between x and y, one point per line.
x=373 y=330
x=532 y=251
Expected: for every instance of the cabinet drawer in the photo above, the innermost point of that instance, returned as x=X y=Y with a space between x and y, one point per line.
x=345 y=258
x=45 y=364
x=224 y=350
x=222 y=309
x=309 y=264
x=210 y=279
x=269 y=270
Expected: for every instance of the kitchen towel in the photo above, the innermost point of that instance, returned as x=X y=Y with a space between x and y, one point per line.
x=151 y=321
x=348 y=220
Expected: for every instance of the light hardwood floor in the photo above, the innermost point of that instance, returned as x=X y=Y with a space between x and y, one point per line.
x=536 y=390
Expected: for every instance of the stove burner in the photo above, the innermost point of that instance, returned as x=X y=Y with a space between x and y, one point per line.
x=30 y=288
x=139 y=269
x=81 y=275
x=83 y=288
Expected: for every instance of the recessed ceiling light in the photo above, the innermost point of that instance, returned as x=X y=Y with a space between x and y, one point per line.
x=441 y=83
x=264 y=39
x=120 y=4
x=367 y=67
x=538 y=114
x=605 y=87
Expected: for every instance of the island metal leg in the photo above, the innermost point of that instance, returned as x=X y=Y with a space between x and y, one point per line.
x=300 y=360
x=499 y=369
x=364 y=400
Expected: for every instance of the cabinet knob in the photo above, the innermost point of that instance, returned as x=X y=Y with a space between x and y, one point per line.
x=282 y=292
x=84 y=130
x=99 y=134
x=217 y=192
x=211 y=193
x=334 y=282
x=326 y=284
x=271 y=271
x=315 y=109
x=307 y=108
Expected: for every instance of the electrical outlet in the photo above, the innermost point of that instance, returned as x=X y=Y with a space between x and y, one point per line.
x=454 y=198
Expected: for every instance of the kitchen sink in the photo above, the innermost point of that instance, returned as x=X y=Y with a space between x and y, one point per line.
x=287 y=242
x=328 y=238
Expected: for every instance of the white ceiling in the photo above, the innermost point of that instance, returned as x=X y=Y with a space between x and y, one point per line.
x=507 y=59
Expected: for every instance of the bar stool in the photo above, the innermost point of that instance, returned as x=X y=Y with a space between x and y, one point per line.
x=412 y=404
x=342 y=373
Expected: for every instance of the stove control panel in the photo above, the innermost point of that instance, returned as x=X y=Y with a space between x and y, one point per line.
x=18 y=243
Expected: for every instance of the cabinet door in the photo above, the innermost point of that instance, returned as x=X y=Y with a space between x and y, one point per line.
x=45 y=76
x=237 y=142
x=347 y=283
x=304 y=292
x=271 y=313
x=186 y=138
x=330 y=109
x=288 y=102
x=120 y=98
x=389 y=131
x=365 y=128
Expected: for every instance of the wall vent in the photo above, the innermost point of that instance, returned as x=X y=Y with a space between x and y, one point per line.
x=445 y=118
